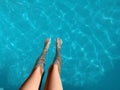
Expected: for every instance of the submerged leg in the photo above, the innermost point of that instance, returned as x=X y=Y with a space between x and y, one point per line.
x=53 y=80
x=33 y=82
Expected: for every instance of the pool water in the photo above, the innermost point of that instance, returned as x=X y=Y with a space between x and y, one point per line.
x=90 y=30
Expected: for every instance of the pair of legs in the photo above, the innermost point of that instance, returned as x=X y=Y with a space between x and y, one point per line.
x=53 y=81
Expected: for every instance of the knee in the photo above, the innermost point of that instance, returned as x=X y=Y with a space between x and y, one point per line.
x=53 y=67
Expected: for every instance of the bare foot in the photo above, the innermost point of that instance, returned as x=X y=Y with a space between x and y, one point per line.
x=59 y=43
x=47 y=44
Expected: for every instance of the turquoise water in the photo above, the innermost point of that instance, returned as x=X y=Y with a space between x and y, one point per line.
x=90 y=30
